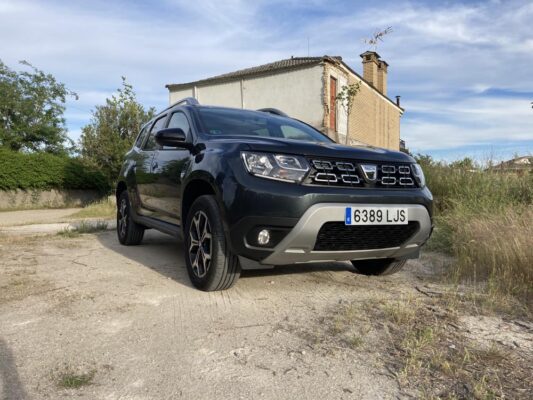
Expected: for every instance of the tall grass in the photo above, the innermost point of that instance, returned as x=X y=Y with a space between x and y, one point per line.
x=104 y=208
x=496 y=248
x=485 y=219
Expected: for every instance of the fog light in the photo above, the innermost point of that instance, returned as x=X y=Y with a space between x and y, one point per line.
x=264 y=237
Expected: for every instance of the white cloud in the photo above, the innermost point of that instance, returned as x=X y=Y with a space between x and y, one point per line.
x=443 y=57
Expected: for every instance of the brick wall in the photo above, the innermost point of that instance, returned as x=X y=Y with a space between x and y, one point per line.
x=373 y=119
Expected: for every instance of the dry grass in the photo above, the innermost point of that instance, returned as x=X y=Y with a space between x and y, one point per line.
x=105 y=208
x=84 y=227
x=484 y=220
x=422 y=345
x=496 y=249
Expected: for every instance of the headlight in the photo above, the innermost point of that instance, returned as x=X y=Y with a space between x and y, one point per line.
x=419 y=175
x=281 y=167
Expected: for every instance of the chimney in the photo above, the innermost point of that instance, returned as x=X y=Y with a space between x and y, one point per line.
x=370 y=67
x=375 y=71
x=382 y=76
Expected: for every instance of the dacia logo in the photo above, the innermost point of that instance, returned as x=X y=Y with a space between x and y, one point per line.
x=370 y=172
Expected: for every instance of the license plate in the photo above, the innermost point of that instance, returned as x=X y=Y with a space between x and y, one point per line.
x=376 y=216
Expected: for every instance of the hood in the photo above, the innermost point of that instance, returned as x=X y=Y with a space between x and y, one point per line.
x=319 y=149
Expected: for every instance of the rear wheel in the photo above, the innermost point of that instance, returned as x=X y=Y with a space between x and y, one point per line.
x=210 y=263
x=378 y=266
x=129 y=232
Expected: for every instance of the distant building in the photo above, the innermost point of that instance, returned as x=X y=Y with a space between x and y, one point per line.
x=306 y=88
x=520 y=164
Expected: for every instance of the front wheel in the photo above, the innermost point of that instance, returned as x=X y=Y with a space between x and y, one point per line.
x=378 y=266
x=210 y=263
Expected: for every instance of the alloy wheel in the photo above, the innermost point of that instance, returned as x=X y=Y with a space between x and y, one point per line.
x=200 y=244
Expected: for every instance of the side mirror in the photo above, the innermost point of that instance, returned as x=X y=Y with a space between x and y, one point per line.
x=171 y=137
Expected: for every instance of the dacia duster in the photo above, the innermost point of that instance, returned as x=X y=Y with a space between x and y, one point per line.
x=255 y=189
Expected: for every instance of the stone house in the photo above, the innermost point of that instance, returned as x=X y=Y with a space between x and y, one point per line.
x=306 y=88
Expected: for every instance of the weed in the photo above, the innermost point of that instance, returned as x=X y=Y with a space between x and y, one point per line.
x=104 y=208
x=84 y=227
x=75 y=380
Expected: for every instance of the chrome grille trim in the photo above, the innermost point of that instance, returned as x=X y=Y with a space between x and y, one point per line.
x=345 y=166
x=350 y=179
x=388 y=169
x=388 y=180
x=322 y=165
x=349 y=173
x=404 y=170
x=326 y=177
x=406 y=181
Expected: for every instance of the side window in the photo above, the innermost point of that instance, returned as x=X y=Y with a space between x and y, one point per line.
x=179 y=120
x=291 y=132
x=141 y=137
x=150 y=143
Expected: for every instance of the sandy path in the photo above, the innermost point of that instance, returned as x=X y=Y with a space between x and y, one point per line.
x=131 y=315
x=12 y=218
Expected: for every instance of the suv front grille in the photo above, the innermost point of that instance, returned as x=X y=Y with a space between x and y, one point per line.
x=336 y=236
x=347 y=173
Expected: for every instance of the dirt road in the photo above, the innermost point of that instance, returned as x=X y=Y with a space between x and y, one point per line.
x=128 y=320
x=24 y=217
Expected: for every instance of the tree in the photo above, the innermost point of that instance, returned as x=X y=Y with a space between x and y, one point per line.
x=32 y=104
x=112 y=130
x=346 y=98
x=466 y=164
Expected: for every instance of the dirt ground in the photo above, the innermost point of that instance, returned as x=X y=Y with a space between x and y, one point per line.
x=128 y=320
x=24 y=217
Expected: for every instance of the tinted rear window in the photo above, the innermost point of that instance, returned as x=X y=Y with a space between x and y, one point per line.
x=222 y=122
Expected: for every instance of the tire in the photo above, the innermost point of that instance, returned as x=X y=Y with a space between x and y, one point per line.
x=378 y=266
x=210 y=263
x=129 y=232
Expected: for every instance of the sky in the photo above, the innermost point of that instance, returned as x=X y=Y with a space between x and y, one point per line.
x=463 y=69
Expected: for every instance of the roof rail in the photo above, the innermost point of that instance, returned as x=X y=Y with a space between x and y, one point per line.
x=187 y=100
x=274 y=111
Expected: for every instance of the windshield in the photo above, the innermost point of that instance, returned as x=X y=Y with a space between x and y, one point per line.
x=222 y=122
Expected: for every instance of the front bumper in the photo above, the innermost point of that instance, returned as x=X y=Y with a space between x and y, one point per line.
x=298 y=245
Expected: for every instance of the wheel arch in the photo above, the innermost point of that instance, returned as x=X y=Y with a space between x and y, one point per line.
x=195 y=188
x=121 y=186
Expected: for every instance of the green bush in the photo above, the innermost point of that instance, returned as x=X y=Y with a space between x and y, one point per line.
x=47 y=171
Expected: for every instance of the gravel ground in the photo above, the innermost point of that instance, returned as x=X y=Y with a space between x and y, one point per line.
x=128 y=318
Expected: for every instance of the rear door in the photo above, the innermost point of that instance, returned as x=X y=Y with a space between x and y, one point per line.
x=169 y=163
x=146 y=179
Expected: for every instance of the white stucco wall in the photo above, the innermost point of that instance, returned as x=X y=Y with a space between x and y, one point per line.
x=177 y=95
x=223 y=94
x=298 y=93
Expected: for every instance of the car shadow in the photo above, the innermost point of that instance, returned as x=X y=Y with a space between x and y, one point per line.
x=299 y=269
x=11 y=386
x=165 y=255
x=159 y=252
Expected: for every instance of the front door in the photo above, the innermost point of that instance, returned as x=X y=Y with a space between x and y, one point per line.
x=169 y=162
x=145 y=175
x=333 y=104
